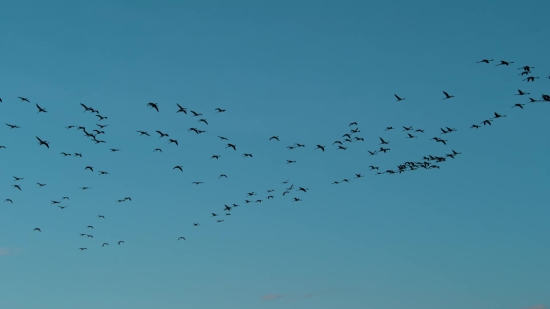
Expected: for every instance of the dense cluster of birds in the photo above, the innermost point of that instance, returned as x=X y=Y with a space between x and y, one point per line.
x=427 y=162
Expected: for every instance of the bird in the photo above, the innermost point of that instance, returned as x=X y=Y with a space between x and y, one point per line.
x=531 y=78
x=181 y=237
x=162 y=134
x=153 y=105
x=42 y=142
x=181 y=109
x=447 y=96
x=399 y=98
x=443 y=141
x=485 y=61
x=497 y=115
x=274 y=137
x=179 y=167
x=506 y=63
x=522 y=92
x=526 y=68
x=37 y=229
x=40 y=109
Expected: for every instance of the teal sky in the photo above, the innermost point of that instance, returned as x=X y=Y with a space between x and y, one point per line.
x=473 y=234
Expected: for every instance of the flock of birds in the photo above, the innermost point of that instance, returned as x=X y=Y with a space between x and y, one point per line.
x=427 y=162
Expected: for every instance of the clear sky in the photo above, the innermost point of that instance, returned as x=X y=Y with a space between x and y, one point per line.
x=473 y=234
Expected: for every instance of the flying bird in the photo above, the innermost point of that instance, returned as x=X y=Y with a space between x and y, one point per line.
x=153 y=105
x=40 y=109
x=447 y=96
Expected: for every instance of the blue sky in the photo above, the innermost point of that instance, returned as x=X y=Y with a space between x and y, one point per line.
x=473 y=234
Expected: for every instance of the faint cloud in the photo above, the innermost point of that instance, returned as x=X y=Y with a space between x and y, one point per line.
x=271 y=296
x=537 y=307
x=8 y=251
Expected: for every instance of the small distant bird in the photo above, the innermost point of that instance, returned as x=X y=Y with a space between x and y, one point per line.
x=447 y=96
x=506 y=63
x=153 y=105
x=497 y=115
x=521 y=92
x=174 y=141
x=181 y=109
x=518 y=105
x=485 y=61
x=40 y=109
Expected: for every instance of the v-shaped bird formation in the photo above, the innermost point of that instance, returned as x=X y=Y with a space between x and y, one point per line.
x=381 y=144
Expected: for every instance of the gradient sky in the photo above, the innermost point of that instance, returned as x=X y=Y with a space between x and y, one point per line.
x=473 y=234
